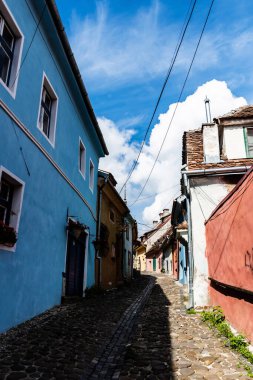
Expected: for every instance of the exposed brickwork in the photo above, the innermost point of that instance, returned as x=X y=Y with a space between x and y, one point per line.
x=193 y=154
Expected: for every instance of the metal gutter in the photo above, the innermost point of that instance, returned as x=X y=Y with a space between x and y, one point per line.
x=229 y=170
x=71 y=59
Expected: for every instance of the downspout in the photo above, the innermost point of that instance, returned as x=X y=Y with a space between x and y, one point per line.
x=98 y=257
x=190 y=248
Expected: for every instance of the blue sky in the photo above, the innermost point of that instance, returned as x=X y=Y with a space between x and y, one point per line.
x=124 y=49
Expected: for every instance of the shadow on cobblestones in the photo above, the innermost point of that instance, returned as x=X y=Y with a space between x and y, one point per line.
x=61 y=343
x=149 y=354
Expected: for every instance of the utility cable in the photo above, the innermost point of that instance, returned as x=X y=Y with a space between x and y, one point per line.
x=30 y=45
x=20 y=148
x=161 y=192
x=181 y=37
x=179 y=99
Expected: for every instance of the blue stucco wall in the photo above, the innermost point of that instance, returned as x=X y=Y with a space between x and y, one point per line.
x=31 y=277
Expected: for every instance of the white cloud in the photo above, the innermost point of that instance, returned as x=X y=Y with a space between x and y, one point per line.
x=111 y=49
x=166 y=175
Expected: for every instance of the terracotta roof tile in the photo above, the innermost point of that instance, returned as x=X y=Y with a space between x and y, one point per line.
x=241 y=112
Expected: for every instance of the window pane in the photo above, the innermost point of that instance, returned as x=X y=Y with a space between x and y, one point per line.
x=5 y=191
x=4 y=65
x=48 y=101
x=8 y=37
x=45 y=124
x=2 y=213
x=250 y=141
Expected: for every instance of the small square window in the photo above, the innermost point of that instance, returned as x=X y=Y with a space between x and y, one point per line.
x=11 y=44
x=82 y=158
x=91 y=178
x=48 y=110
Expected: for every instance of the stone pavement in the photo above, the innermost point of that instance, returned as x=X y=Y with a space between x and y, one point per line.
x=140 y=331
x=170 y=344
x=61 y=343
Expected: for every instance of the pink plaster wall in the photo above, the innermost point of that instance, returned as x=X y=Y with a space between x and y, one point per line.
x=149 y=263
x=229 y=250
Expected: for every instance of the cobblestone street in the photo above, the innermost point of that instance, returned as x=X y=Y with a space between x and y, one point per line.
x=140 y=331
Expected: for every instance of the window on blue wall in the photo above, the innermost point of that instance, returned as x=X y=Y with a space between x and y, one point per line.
x=11 y=197
x=48 y=110
x=82 y=158
x=11 y=43
x=91 y=178
x=7 y=41
x=6 y=196
x=45 y=112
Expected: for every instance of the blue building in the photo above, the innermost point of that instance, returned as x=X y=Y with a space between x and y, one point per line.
x=50 y=145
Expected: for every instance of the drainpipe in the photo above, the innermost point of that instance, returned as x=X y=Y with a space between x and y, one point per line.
x=99 y=229
x=190 y=250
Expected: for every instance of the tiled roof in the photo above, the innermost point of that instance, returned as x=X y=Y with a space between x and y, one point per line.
x=241 y=112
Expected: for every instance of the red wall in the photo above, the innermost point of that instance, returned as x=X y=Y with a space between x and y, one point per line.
x=229 y=238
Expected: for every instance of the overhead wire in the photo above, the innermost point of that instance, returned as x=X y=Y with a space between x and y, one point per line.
x=180 y=41
x=161 y=192
x=30 y=45
x=178 y=100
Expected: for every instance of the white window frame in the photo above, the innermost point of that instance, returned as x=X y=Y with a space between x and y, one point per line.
x=17 y=203
x=91 y=175
x=18 y=48
x=83 y=158
x=53 y=118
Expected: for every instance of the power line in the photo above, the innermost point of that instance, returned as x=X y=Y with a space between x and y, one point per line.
x=199 y=204
x=181 y=37
x=161 y=192
x=179 y=99
x=241 y=191
x=30 y=45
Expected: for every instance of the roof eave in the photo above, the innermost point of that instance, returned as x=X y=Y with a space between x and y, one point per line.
x=71 y=59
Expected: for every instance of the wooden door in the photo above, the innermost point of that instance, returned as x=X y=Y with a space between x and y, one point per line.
x=154 y=264
x=75 y=266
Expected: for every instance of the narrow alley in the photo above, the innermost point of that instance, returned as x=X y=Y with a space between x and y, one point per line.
x=140 y=331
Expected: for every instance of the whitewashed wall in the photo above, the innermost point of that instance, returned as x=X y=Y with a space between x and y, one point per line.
x=156 y=235
x=234 y=145
x=211 y=143
x=205 y=194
